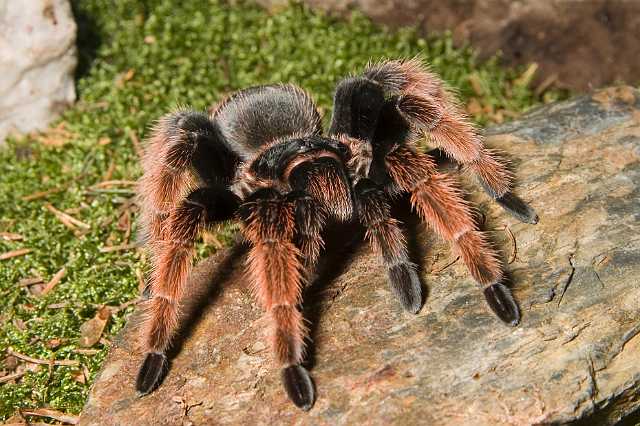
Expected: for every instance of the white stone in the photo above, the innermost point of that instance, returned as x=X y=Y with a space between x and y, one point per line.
x=37 y=63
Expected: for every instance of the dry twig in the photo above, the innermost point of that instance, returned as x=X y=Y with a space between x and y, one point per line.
x=14 y=253
x=54 y=281
x=64 y=362
x=43 y=194
x=9 y=236
x=10 y=377
x=120 y=247
x=67 y=218
x=53 y=414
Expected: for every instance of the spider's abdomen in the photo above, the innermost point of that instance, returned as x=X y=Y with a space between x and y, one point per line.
x=256 y=116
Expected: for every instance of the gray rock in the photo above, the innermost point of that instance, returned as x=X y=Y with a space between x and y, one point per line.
x=37 y=62
x=574 y=357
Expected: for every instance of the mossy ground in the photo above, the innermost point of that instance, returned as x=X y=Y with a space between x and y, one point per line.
x=139 y=59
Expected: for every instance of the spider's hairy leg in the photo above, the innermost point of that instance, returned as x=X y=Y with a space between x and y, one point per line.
x=424 y=101
x=356 y=107
x=276 y=274
x=439 y=202
x=385 y=236
x=310 y=219
x=170 y=271
x=180 y=141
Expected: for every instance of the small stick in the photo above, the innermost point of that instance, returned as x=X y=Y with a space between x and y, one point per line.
x=10 y=377
x=446 y=266
x=514 y=251
x=67 y=217
x=108 y=183
x=86 y=351
x=53 y=414
x=14 y=253
x=9 y=236
x=110 y=191
x=121 y=247
x=125 y=305
x=58 y=305
x=64 y=362
x=136 y=143
x=546 y=83
x=54 y=281
x=109 y=171
x=42 y=194
x=26 y=282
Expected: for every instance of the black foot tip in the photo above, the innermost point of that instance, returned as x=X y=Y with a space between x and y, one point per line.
x=502 y=303
x=406 y=286
x=152 y=372
x=518 y=208
x=299 y=386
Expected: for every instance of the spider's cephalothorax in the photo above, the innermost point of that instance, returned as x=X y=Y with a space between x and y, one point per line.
x=260 y=157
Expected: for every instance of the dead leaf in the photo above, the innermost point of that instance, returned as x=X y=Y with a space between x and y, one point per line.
x=54 y=343
x=10 y=363
x=91 y=330
x=79 y=377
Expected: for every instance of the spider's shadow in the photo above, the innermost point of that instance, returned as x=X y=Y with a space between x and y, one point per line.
x=342 y=241
x=206 y=284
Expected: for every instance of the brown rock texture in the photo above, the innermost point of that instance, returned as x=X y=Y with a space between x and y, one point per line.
x=575 y=357
x=577 y=44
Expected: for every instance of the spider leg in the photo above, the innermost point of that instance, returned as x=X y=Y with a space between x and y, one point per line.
x=201 y=207
x=356 y=106
x=275 y=269
x=439 y=202
x=310 y=218
x=386 y=238
x=423 y=101
x=181 y=141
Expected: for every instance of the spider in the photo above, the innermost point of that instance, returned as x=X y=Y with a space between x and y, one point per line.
x=260 y=157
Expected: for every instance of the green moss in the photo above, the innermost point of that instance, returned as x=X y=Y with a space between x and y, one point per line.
x=139 y=59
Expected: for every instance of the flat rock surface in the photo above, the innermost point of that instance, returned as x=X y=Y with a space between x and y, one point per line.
x=37 y=62
x=575 y=355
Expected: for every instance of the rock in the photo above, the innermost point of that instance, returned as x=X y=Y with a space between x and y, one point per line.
x=574 y=356
x=578 y=45
x=37 y=62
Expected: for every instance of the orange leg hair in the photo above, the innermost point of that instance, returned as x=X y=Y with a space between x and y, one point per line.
x=276 y=271
x=426 y=103
x=439 y=203
x=276 y=274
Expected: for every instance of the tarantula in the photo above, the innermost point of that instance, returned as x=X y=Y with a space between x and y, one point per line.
x=260 y=157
